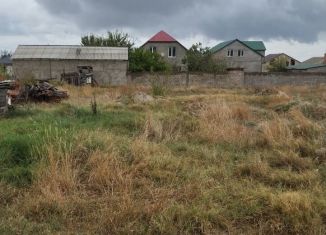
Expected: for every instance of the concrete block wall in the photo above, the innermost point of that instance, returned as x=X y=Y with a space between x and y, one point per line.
x=231 y=79
x=105 y=72
x=281 y=79
x=115 y=73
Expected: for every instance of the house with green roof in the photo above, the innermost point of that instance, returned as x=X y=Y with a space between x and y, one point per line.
x=246 y=55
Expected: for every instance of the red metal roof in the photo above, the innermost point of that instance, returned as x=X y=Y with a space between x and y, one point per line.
x=162 y=37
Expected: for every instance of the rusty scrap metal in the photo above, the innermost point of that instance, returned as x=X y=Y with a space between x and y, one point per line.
x=44 y=91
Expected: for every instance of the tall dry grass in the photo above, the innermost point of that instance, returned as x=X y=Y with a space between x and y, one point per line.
x=240 y=171
x=163 y=130
x=226 y=123
x=82 y=95
x=277 y=133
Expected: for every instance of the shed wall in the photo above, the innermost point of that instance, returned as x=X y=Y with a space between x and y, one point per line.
x=111 y=72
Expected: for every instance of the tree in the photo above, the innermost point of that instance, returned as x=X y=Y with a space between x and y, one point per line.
x=278 y=65
x=200 y=59
x=142 y=60
x=139 y=59
x=3 y=71
x=5 y=53
x=112 y=39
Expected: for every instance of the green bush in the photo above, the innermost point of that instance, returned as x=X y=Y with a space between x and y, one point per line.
x=19 y=176
x=199 y=59
x=145 y=61
x=16 y=157
x=278 y=65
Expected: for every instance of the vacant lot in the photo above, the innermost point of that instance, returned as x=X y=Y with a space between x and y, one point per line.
x=196 y=161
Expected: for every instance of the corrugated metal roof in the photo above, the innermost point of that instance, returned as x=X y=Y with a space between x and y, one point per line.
x=162 y=37
x=70 y=53
x=254 y=45
x=221 y=46
x=305 y=66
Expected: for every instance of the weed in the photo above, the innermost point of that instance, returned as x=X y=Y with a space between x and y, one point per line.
x=94 y=105
x=159 y=88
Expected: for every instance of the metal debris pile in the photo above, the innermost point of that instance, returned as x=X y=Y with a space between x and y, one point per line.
x=7 y=84
x=36 y=91
x=84 y=76
x=44 y=91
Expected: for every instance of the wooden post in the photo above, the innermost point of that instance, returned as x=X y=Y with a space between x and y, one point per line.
x=187 y=79
x=3 y=101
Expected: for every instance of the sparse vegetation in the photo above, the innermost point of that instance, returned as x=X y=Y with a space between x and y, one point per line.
x=198 y=161
x=200 y=59
x=278 y=65
x=145 y=61
x=112 y=39
x=140 y=60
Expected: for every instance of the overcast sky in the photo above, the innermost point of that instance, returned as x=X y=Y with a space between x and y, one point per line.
x=296 y=27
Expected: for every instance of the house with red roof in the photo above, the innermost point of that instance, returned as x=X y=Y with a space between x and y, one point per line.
x=168 y=47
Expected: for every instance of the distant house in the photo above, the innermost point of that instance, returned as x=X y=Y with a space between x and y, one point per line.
x=246 y=55
x=6 y=64
x=169 y=48
x=314 y=64
x=290 y=61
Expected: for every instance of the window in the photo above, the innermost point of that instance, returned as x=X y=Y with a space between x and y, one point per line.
x=172 y=51
x=292 y=62
x=240 y=53
x=230 y=53
x=152 y=49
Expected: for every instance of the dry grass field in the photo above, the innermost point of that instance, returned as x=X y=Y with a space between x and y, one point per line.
x=195 y=161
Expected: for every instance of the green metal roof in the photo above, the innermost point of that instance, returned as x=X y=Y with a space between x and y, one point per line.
x=220 y=46
x=254 y=45
x=304 y=66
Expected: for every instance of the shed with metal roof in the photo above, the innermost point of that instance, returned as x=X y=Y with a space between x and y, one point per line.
x=109 y=64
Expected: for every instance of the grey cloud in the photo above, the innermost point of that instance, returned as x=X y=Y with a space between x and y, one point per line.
x=300 y=20
x=11 y=27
